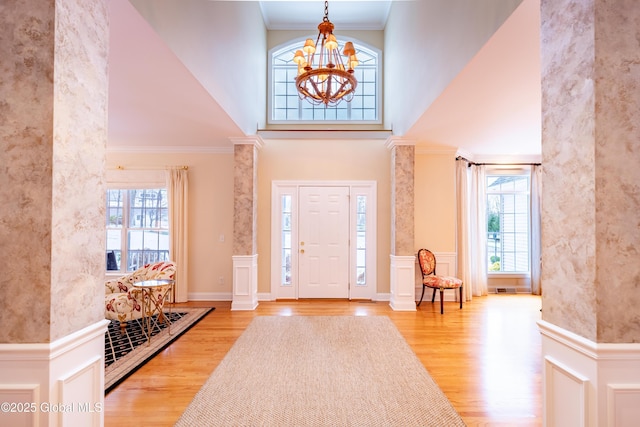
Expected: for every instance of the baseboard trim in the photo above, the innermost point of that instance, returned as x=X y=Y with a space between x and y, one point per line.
x=210 y=296
x=227 y=296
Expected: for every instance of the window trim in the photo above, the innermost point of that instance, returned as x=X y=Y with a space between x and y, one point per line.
x=300 y=41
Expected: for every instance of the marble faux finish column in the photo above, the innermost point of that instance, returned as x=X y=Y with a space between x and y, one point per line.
x=402 y=256
x=53 y=133
x=245 y=223
x=591 y=211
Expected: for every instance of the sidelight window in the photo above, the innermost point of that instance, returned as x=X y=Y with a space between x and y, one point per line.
x=286 y=240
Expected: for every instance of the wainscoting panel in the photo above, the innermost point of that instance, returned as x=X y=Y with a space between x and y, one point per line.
x=623 y=404
x=587 y=383
x=18 y=397
x=402 y=297
x=245 y=282
x=566 y=395
x=59 y=383
x=83 y=409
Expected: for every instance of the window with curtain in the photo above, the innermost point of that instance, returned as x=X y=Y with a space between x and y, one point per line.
x=508 y=217
x=137 y=228
x=286 y=106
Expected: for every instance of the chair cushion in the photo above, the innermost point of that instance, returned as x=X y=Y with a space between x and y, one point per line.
x=122 y=306
x=444 y=282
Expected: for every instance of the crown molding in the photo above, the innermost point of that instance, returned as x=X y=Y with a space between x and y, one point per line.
x=169 y=149
x=395 y=141
x=436 y=149
x=255 y=140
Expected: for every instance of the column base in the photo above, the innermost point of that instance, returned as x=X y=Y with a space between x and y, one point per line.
x=59 y=383
x=403 y=291
x=245 y=282
x=587 y=383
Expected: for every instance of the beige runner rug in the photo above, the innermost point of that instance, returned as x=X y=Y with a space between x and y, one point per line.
x=320 y=371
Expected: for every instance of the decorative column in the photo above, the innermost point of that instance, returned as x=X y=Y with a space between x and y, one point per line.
x=245 y=223
x=402 y=256
x=591 y=204
x=53 y=135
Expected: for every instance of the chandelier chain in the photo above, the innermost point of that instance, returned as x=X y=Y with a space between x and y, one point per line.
x=326 y=11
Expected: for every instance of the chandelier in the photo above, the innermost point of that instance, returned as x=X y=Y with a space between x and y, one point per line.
x=323 y=76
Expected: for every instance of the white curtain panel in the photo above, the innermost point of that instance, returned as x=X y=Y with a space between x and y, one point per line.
x=471 y=228
x=478 y=228
x=177 y=193
x=536 y=259
x=462 y=227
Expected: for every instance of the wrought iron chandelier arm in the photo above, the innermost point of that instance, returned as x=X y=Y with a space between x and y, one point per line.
x=315 y=80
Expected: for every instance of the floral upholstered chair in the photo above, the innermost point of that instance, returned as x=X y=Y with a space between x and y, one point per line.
x=427 y=262
x=123 y=302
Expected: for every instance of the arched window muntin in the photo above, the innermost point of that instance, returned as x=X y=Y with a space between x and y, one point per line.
x=285 y=105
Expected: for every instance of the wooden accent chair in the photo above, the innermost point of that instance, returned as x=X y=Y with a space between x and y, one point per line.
x=427 y=262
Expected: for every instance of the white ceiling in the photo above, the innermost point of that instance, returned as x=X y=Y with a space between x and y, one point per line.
x=344 y=14
x=491 y=108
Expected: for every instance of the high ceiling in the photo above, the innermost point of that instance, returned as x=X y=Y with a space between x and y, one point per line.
x=492 y=107
x=345 y=15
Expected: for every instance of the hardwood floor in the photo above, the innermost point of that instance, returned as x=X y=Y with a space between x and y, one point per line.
x=485 y=357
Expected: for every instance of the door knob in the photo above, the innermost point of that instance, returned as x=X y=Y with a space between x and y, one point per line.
x=301 y=251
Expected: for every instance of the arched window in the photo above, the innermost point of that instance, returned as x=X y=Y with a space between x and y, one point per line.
x=286 y=106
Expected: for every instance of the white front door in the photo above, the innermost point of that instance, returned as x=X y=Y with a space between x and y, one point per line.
x=323 y=259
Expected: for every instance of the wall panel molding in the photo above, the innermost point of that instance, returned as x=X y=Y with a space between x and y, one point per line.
x=588 y=383
x=63 y=381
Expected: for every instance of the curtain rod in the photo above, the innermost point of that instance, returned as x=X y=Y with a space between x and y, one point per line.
x=120 y=167
x=497 y=164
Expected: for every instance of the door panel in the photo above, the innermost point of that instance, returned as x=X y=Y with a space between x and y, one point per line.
x=323 y=261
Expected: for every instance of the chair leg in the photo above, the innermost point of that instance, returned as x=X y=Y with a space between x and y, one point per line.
x=433 y=297
x=421 y=296
x=460 y=297
x=441 y=301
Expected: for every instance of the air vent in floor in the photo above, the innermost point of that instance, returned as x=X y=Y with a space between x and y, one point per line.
x=505 y=290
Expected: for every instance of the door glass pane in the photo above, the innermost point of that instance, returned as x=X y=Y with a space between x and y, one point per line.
x=361 y=240
x=285 y=267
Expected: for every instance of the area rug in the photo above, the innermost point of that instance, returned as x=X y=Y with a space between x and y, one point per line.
x=320 y=371
x=128 y=351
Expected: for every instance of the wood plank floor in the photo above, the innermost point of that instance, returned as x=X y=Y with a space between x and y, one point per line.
x=485 y=357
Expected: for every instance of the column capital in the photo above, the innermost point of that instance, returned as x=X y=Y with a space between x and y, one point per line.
x=394 y=141
x=255 y=140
